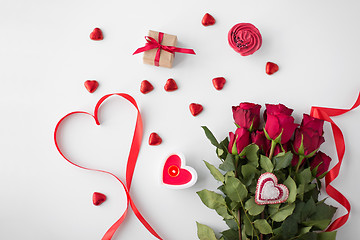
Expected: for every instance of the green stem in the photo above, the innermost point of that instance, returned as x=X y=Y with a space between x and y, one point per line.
x=301 y=158
x=272 y=149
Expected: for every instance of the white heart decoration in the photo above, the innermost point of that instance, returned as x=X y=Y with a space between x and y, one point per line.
x=268 y=191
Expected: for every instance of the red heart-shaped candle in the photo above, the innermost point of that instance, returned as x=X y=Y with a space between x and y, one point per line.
x=96 y=34
x=219 y=83
x=268 y=191
x=91 y=85
x=195 y=109
x=146 y=87
x=208 y=20
x=176 y=174
x=271 y=68
x=98 y=198
x=170 y=85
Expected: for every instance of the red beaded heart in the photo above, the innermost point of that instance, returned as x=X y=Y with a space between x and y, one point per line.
x=268 y=191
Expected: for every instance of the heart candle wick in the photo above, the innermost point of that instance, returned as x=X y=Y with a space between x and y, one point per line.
x=174 y=171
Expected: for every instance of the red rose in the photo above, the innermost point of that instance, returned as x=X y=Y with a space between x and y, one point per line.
x=278 y=108
x=280 y=123
x=307 y=141
x=313 y=123
x=247 y=115
x=239 y=140
x=259 y=139
x=322 y=160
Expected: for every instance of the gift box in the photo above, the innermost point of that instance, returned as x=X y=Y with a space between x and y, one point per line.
x=166 y=58
x=160 y=49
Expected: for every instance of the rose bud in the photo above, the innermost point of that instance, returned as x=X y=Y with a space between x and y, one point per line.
x=280 y=127
x=313 y=123
x=238 y=141
x=259 y=139
x=295 y=160
x=307 y=142
x=247 y=115
x=322 y=160
x=276 y=109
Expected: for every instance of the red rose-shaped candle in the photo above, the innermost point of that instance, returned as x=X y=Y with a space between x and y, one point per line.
x=239 y=140
x=247 y=115
x=245 y=38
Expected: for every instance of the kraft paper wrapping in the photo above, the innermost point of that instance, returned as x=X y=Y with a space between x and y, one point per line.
x=166 y=58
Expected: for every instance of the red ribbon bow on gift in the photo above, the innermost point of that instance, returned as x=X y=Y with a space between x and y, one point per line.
x=152 y=43
x=326 y=114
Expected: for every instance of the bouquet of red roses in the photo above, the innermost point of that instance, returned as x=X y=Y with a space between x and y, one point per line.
x=270 y=175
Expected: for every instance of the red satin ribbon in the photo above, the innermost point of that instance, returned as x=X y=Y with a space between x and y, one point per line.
x=134 y=152
x=325 y=114
x=152 y=43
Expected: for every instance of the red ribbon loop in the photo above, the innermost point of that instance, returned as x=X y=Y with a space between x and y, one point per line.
x=325 y=114
x=130 y=167
x=152 y=43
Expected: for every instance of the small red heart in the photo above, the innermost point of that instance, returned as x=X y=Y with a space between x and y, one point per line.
x=219 y=83
x=195 y=109
x=146 y=87
x=96 y=34
x=91 y=85
x=208 y=20
x=170 y=85
x=154 y=139
x=271 y=68
x=98 y=198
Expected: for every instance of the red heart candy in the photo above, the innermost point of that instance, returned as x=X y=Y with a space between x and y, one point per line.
x=208 y=20
x=268 y=191
x=195 y=109
x=219 y=83
x=154 y=139
x=98 y=198
x=96 y=34
x=170 y=85
x=146 y=87
x=91 y=85
x=271 y=68
x=176 y=174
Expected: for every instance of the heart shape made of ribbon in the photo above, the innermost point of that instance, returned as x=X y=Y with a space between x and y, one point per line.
x=130 y=167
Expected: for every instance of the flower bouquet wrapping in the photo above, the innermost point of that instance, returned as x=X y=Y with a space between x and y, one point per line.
x=270 y=175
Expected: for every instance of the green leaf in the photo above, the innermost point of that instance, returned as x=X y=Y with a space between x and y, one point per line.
x=250 y=151
x=223 y=211
x=228 y=164
x=205 y=233
x=263 y=226
x=248 y=171
x=273 y=208
x=289 y=228
x=211 y=199
x=308 y=210
x=248 y=227
x=304 y=230
x=215 y=172
x=210 y=136
x=234 y=189
x=291 y=185
x=301 y=191
x=282 y=160
x=308 y=236
x=266 y=163
x=305 y=176
x=231 y=223
x=319 y=224
x=230 y=234
x=283 y=213
x=323 y=211
x=252 y=208
x=219 y=152
x=327 y=235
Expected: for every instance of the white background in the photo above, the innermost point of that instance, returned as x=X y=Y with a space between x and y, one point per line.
x=46 y=55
